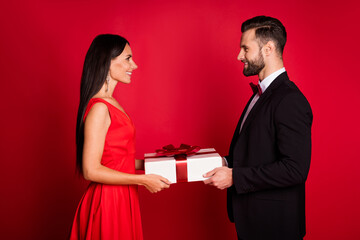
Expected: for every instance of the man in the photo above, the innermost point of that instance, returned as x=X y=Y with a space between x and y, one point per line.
x=270 y=152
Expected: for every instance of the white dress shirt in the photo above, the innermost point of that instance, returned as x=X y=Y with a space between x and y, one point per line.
x=264 y=84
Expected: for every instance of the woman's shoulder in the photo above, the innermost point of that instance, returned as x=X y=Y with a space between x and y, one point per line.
x=97 y=108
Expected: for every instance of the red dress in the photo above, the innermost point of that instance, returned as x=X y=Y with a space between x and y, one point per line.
x=111 y=211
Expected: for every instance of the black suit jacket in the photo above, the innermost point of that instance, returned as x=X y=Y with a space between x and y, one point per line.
x=270 y=160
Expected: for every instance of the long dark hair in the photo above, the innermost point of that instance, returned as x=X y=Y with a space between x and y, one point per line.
x=102 y=50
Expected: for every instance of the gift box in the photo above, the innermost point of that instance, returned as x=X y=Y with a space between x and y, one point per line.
x=182 y=166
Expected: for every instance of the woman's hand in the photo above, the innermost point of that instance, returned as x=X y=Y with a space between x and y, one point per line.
x=155 y=183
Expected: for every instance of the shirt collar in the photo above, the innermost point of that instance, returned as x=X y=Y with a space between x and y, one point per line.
x=264 y=84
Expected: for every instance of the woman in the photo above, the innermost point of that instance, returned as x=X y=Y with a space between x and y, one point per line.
x=109 y=208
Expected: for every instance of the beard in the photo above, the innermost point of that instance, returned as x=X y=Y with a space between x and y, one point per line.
x=254 y=67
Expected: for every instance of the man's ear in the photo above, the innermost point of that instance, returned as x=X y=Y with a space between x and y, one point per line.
x=269 y=48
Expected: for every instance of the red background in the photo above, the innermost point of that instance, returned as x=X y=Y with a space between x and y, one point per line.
x=189 y=88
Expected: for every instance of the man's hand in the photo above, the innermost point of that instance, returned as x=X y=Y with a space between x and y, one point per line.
x=220 y=177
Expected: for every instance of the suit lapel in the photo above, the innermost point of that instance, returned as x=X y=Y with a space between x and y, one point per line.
x=237 y=130
x=243 y=114
x=281 y=78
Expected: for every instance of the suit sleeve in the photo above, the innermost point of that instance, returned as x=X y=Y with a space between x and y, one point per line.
x=292 y=122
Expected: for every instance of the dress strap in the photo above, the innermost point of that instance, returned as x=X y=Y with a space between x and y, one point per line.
x=91 y=104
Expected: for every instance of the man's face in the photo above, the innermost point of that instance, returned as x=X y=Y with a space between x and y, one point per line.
x=250 y=54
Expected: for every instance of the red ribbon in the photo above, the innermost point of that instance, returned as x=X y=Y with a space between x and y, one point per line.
x=180 y=154
x=184 y=149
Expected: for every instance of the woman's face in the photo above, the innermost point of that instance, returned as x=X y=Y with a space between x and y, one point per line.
x=122 y=66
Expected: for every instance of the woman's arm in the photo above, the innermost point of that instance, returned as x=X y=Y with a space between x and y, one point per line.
x=96 y=126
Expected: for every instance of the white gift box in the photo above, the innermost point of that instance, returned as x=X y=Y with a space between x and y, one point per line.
x=202 y=162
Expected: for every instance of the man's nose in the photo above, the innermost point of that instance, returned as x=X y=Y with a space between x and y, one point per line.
x=240 y=57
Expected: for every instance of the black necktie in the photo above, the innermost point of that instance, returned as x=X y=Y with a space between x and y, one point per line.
x=256 y=88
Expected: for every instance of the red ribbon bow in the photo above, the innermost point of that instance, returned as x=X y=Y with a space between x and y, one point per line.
x=180 y=155
x=184 y=149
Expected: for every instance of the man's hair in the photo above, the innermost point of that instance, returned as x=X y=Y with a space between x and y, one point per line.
x=267 y=29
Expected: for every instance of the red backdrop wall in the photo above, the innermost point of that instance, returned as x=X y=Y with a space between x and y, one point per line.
x=189 y=88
